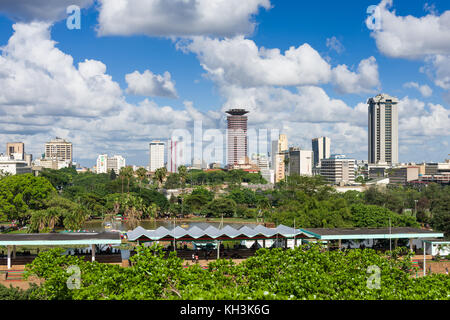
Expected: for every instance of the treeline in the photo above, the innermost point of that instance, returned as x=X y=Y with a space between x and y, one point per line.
x=65 y=199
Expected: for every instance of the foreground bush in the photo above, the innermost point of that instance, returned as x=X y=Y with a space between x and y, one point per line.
x=301 y=273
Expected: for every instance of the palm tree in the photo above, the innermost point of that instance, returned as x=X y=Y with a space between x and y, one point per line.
x=126 y=173
x=142 y=174
x=53 y=216
x=38 y=221
x=160 y=175
x=153 y=210
x=182 y=171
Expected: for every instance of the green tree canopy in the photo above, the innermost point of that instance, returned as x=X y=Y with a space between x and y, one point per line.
x=21 y=193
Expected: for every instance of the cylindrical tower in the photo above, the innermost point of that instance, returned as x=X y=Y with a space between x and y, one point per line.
x=237 y=136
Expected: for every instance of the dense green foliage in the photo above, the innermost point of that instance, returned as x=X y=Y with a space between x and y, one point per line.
x=307 y=201
x=57 y=212
x=216 y=177
x=13 y=293
x=314 y=204
x=20 y=194
x=301 y=273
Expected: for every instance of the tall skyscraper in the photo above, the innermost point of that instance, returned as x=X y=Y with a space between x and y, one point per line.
x=156 y=155
x=237 y=136
x=59 y=149
x=279 y=147
x=321 y=149
x=383 y=129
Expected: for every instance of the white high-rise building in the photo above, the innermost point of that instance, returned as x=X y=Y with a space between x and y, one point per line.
x=102 y=163
x=156 y=155
x=116 y=163
x=321 y=149
x=300 y=161
x=105 y=163
x=383 y=129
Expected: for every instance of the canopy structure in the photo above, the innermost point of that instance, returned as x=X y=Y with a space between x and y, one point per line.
x=371 y=233
x=57 y=239
x=211 y=233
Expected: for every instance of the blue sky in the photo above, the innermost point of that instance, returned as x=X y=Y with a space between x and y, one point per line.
x=200 y=65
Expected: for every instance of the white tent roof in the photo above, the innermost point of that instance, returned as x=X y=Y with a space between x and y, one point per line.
x=214 y=233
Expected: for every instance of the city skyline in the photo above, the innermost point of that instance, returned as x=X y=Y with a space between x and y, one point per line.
x=113 y=89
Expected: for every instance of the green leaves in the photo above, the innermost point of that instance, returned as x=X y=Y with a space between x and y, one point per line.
x=21 y=193
x=300 y=273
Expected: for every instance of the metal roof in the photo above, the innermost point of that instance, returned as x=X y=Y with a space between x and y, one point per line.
x=214 y=233
x=39 y=239
x=371 y=233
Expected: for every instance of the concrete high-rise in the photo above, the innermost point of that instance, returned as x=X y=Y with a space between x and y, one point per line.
x=321 y=149
x=237 y=136
x=59 y=149
x=115 y=163
x=383 y=129
x=300 y=161
x=105 y=164
x=156 y=155
x=279 y=147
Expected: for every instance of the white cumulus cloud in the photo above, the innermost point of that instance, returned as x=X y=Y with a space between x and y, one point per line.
x=365 y=80
x=424 y=90
x=150 y=84
x=412 y=37
x=44 y=94
x=178 y=17
x=240 y=62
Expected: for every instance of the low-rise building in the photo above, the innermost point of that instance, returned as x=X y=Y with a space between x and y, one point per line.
x=338 y=169
x=52 y=163
x=9 y=165
x=404 y=174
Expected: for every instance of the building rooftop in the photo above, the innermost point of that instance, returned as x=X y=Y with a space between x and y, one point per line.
x=60 y=238
x=382 y=97
x=237 y=112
